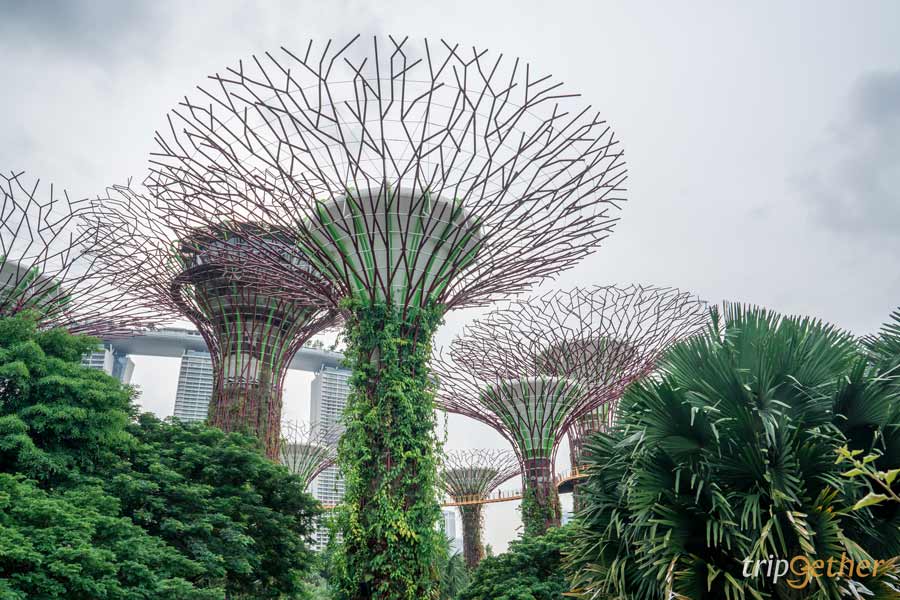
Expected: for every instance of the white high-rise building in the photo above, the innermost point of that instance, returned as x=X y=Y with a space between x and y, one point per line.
x=195 y=386
x=456 y=543
x=110 y=362
x=327 y=401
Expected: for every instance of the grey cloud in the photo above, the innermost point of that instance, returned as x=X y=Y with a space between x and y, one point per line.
x=855 y=187
x=94 y=29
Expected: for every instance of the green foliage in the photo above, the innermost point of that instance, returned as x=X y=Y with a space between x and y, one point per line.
x=57 y=418
x=884 y=348
x=454 y=577
x=730 y=455
x=530 y=570
x=388 y=457
x=453 y=572
x=218 y=500
x=862 y=466
x=116 y=508
x=75 y=545
x=536 y=514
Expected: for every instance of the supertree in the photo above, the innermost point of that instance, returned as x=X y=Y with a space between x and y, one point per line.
x=251 y=336
x=593 y=421
x=49 y=266
x=416 y=180
x=532 y=368
x=469 y=477
x=307 y=449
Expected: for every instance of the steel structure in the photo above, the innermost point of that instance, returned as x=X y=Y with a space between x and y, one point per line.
x=533 y=368
x=593 y=421
x=412 y=175
x=307 y=449
x=415 y=178
x=49 y=264
x=251 y=336
x=468 y=477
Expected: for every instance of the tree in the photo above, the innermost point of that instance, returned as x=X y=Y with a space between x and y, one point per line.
x=221 y=502
x=454 y=577
x=75 y=546
x=729 y=457
x=530 y=570
x=58 y=420
x=207 y=505
x=454 y=572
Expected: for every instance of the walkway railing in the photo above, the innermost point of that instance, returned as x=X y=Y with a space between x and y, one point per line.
x=503 y=495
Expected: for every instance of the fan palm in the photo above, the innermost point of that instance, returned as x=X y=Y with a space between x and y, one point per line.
x=729 y=455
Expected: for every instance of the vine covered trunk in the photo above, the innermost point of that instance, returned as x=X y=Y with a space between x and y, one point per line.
x=540 y=501
x=388 y=456
x=472 y=522
x=252 y=407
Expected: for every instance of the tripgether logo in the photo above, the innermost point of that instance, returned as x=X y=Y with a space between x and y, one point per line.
x=800 y=570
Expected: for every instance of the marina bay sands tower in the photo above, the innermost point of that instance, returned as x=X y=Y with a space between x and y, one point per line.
x=329 y=394
x=196 y=380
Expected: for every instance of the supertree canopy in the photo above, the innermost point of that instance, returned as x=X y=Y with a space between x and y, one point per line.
x=49 y=265
x=469 y=477
x=534 y=367
x=308 y=449
x=251 y=336
x=415 y=178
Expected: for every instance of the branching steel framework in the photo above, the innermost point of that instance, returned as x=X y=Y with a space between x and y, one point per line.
x=472 y=475
x=415 y=175
x=307 y=449
x=593 y=421
x=532 y=368
x=251 y=336
x=49 y=264
x=415 y=179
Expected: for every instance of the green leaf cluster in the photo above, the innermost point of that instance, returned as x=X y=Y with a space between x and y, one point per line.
x=219 y=501
x=454 y=572
x=388 y=456
x=729 y=455
x=531 y=569
x=76 y=545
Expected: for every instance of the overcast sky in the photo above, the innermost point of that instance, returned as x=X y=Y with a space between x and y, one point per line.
x=763 y=138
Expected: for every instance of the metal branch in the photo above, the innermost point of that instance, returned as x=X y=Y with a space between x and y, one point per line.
x=533 y=369
x=49 y=264
x=408 y=176
x=307 y=449
x=202 y=274
x=475 y=473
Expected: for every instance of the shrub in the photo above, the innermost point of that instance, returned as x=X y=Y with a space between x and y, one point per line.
x=530 y=570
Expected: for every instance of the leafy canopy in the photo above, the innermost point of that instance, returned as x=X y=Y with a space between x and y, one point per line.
x=218 y=500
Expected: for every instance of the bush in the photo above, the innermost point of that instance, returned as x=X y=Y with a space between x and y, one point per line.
x=530 y=570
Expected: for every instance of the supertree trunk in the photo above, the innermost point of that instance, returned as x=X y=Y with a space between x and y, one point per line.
x=575 y=453
x=253 y=408
x=540 y=504
x=472 y=522
x=388 y=455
